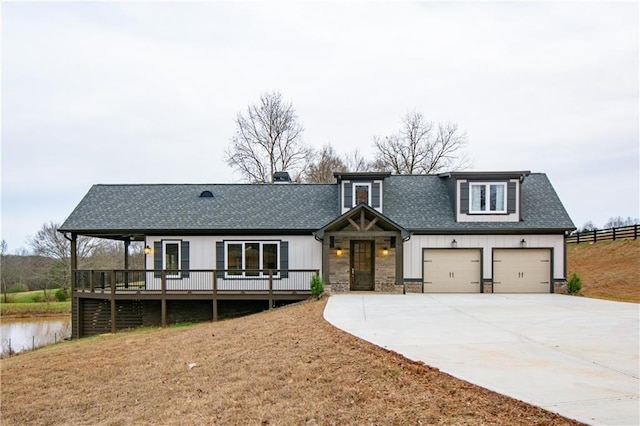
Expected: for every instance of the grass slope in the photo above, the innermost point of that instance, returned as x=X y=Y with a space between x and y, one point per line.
x=284 y=367
x=609 y=269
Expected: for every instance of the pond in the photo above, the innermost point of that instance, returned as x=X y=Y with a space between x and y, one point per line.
x=21 y=334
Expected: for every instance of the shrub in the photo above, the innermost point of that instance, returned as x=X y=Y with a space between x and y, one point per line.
x=575 y=283
x=317 y=286
x=61 y=295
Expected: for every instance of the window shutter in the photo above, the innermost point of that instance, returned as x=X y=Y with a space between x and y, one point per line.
x=157 y=259
x=511 y=197
x=375 y=194
x=464 y=197
x=284 y=259
x=184 y=262
x=348 y=195
x=220 y=255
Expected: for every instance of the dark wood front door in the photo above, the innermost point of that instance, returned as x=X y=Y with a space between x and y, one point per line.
x=361 y=265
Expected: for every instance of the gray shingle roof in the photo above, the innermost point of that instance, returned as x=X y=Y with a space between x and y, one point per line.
x=417 y=203
x=180 y=207
x=422 y=203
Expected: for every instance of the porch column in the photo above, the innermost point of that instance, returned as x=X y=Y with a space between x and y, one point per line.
x=127 y=243
x=75 y=305
x=326 y=253
x=400 y=262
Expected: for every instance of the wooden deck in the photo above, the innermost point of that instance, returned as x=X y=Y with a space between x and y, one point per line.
x=132 y=294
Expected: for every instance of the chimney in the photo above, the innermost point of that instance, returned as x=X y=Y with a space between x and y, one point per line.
x=281 y=177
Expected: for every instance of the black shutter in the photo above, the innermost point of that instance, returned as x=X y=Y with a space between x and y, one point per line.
x=284 y=259
x=511 y=197
x=375 y=195
x=157 y=259
x=464 y=197
x=184 y=262
x=347 y=195
x=220 y=255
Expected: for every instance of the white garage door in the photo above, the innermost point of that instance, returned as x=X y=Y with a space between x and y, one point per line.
x=522 y=271
x=451 y=271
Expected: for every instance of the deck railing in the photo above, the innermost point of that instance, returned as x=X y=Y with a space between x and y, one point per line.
x=192 y=280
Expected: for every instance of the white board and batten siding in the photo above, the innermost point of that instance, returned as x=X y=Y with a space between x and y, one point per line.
x=413 y=250
x=304 y=252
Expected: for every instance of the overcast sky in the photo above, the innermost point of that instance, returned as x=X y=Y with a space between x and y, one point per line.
x=115 y=92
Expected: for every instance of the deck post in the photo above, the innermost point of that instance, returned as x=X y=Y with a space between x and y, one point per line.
x=215 y=295
x=163 y=301
x=113 y=301
x=270 y=288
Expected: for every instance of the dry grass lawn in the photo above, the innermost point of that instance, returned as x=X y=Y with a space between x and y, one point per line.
x=283 y=367
x=609 y=269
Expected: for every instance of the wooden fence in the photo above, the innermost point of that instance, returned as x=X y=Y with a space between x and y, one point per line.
x=621 y=233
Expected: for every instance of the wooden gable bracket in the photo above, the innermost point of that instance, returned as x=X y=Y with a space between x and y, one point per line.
x=370 y=225
x=355 y=225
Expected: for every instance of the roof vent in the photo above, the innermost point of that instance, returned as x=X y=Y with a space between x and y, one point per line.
x=206 y=194
x=281 y=177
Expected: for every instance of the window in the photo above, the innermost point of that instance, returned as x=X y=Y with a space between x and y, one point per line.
x=487 y=197
x=171 y=258
x=361 y=194
x=251 y=258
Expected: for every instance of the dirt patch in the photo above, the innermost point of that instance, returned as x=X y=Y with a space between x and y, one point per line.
x=282 y=367
x=609 y=269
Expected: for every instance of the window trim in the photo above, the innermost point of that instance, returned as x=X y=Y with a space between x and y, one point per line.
x=262 y=243
x=164 y=257
x=487 y=186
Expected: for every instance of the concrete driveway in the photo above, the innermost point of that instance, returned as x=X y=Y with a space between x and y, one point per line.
x=574 y=356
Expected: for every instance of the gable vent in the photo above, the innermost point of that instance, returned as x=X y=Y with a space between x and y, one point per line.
x=206 y=194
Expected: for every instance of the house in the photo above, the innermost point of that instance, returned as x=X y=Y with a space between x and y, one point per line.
x=459 y=232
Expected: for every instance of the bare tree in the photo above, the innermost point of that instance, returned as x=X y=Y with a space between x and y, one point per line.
x=616 y=222
x=355 y=162
x=268 y=139
x=326 y=163
x=420 y=147
x=48 y=242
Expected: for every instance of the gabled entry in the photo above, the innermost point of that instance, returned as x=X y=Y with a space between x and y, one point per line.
x=362 y=250
x=362 y=265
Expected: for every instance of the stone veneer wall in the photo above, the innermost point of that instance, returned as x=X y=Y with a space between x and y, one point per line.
x=384 y=267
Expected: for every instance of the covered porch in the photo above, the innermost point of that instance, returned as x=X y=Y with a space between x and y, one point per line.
x=362 y=250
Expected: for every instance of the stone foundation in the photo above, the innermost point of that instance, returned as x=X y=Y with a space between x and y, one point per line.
x=560 y=287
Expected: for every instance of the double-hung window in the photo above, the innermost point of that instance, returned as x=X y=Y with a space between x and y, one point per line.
x=487 y=197
x=251 y=258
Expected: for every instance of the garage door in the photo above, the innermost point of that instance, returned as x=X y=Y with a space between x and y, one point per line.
x=521 y=271
x=451 y=271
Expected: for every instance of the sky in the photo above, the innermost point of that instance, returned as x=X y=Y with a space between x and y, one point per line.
x=147 y=92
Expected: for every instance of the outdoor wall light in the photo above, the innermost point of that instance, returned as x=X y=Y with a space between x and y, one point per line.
x=339 y=251
x=523 y=243
x=147 y=250
x=385 y=251
x=454 y=243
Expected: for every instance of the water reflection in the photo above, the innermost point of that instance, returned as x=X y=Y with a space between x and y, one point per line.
x=22 y=334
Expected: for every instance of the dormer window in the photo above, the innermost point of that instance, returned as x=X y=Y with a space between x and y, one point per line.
x=487 y=197
x=361 y=193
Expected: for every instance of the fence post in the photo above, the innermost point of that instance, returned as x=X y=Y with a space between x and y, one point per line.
x=635 y=232
x=614 y=234
x=595 y=238
x=578 y=238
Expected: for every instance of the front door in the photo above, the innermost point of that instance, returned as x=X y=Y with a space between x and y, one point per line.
x=361 y=265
